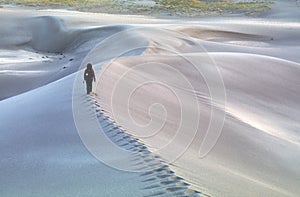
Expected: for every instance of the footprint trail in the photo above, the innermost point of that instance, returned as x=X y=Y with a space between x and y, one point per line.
x=157 y=177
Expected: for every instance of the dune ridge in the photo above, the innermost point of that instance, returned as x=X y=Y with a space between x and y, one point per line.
x=260 y=117
x=154 y=171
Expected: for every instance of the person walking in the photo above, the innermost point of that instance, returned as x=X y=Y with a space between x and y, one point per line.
x=89 y=76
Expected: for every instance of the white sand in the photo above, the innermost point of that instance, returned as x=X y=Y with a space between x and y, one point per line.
x=257 y=153
x=166 y=89
x=259 y=142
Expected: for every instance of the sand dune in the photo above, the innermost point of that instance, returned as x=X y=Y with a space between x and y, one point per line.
x=260 y=129
x=46 y=44
x=206 y=106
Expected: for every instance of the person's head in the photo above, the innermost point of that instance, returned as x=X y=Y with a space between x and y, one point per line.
x=89 y=66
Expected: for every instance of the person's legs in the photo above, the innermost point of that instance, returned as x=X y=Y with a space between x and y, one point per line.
x=89 y=86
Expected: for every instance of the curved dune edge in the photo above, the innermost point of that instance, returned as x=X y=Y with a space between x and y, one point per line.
x=254 y=129
x=160 y=180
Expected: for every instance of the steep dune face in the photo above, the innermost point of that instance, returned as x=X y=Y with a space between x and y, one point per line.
x=257 y=150
x=42 y=33
x=48 y=34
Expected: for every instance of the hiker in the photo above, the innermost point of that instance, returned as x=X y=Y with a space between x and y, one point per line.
x=89 y=76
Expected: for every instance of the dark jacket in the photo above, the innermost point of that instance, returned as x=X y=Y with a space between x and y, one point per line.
x=89 y=75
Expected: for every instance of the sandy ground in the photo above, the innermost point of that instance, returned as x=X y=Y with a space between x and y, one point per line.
x=259 y=140
x=216 y=98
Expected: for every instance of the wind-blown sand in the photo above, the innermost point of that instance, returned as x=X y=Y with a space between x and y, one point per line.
x=258 y=150
x=170 y=84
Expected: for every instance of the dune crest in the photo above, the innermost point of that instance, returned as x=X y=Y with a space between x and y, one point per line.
x=260 y=107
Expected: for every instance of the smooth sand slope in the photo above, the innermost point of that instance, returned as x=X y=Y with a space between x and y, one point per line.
x=257 y=152
x=212 y=102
